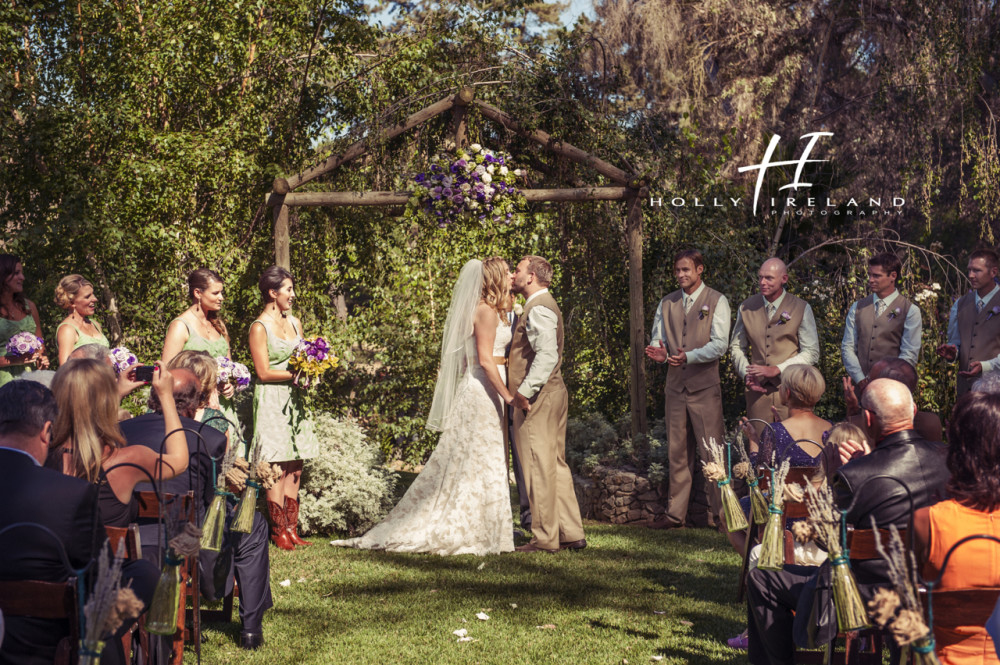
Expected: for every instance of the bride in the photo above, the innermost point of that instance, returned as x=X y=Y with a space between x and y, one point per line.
x=460 y=502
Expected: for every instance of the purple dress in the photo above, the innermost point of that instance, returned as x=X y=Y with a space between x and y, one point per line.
x=776 y=442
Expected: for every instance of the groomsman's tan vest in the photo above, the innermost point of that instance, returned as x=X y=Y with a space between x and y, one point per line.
x=879 y=336
x=689 y=331
x=979 y=335
x=521 y=353
x=776 y=340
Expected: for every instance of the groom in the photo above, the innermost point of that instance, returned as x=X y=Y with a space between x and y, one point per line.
x=540 y=407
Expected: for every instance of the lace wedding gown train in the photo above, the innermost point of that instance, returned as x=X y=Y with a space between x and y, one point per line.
x=460 y=502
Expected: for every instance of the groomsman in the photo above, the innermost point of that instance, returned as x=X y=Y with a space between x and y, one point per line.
x=974 y=323
x=882 y=325
x=774 y=330
x=690 y=334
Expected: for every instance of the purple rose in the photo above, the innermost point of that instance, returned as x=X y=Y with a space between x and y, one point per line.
x=420 y=177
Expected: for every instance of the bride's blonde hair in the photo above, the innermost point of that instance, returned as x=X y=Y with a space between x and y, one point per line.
x=496 y=283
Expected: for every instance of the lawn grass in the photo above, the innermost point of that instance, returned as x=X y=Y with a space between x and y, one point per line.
x=632 y=594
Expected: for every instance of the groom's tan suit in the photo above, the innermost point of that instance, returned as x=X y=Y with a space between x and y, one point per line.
x=540 y=435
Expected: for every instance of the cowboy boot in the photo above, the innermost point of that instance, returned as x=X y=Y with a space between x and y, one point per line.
x=279 y=522
x=292 y=512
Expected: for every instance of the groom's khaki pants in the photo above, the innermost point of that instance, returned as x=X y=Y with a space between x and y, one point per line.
x=540 y=437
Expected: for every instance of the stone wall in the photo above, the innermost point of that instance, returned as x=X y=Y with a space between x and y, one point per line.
x=625 y=496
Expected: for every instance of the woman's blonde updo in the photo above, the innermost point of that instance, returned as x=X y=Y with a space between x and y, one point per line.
x=69 y=287
x=496 y=283
x=204 y=367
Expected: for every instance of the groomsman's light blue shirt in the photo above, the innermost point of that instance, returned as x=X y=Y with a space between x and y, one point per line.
x=718 y=339
x=954 y=338
x=909 y=346
x=540 y=329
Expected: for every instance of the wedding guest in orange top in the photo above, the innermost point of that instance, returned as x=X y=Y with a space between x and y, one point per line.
x=974 y=508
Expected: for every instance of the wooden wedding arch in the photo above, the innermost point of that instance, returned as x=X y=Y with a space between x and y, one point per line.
x=628 y=188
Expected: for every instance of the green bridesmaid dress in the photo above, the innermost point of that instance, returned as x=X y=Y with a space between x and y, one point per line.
x=281 y=427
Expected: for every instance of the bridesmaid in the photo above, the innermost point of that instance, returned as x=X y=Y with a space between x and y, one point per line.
x=281 y=428
x=76 y=295
x=17 y=314
x=201 y=328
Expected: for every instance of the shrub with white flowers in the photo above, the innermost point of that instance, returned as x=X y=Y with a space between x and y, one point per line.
x=345 y=489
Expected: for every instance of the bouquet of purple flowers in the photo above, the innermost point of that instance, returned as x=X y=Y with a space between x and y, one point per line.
x=233 y=372
x=310 y=360
x=122 y=359
x=24 y=345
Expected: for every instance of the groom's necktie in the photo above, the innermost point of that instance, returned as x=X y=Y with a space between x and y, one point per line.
x=979 y=304
x=687 y=303
x=879 y=307
x=770 y=310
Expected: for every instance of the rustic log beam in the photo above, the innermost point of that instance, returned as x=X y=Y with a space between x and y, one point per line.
x=286 y=185
x=555 y=145
x=282 y=256
x=636 y=318
x=397 y=198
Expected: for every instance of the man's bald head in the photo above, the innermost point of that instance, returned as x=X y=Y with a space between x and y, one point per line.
x=775 y=265
x=891 y=405
x=187 y=393
x=771 y=278
x=896 y=369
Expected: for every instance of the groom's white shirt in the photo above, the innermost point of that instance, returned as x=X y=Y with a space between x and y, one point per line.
x=540 y=329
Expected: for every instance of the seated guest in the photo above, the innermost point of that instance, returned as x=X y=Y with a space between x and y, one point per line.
x=207 y=370
x=248 y=553
x=927 y=423
x=29 y=493
x=780 y=602
x=802 y=387
x=974 y=508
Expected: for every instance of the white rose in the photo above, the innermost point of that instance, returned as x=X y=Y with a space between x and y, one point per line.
x=491 y=169
x=518 y=309
x=465 y=187
x=475 y=147
x=473 y=205
x=469 y=166
x=503 y=170
x=480 y=169
x=518 y=172
x=488 y=191
x=487 y=178
x=936 y=286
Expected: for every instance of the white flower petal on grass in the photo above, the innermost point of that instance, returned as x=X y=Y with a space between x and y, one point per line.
x=513 y=606
x=481 y=566
x=461 y=632
x=286 y=583
x=482 y=616
x=466 y=639
x=656 y=658
x=301 y=579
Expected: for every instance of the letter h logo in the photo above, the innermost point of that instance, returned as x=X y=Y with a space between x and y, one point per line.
x=800 y=164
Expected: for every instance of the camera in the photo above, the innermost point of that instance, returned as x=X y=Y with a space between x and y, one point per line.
x=144 y=373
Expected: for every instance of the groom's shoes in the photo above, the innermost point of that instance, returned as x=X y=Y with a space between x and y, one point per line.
x=531 y=547
x=574 y=544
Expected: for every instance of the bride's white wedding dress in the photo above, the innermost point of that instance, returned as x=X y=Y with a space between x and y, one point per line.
x=460 y=502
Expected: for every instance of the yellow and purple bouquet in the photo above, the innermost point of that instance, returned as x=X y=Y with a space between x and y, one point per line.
x=310 y=360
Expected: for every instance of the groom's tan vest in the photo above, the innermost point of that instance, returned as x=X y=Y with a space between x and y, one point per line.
x=688 y=331
x=774 y=340
x=521 y=353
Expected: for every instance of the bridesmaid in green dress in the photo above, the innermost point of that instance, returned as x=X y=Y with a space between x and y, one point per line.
x=75 y=294
x=281 y=427
x=201 y=328
x=17 y=314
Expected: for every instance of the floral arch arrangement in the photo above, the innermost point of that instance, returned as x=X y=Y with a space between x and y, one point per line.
x=464 y=185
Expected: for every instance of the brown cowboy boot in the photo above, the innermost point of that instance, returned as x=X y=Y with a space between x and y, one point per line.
x=279 y=522
x=292 y=511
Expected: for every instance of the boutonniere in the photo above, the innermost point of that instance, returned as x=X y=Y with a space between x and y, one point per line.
x=785 y=318
x=703 y=312
x=894 y=313
x=995 y=311
x=518 y=309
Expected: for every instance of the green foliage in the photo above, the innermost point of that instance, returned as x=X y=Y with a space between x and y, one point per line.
x=344 y=489
x=591 y=442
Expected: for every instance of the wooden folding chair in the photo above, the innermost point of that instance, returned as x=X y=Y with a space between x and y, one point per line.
x=45 y=600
